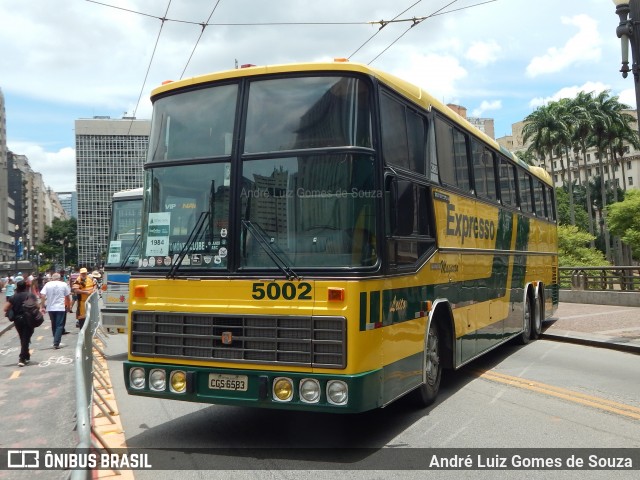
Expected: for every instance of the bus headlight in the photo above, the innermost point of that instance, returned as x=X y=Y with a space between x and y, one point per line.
x=309 y=390
x=282 y=389
x=157 y=380
x=337 y=392
x=137 y=378
x=178 y=381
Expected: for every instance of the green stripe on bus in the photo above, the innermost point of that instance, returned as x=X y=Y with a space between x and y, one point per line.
x=363 y=311
x=374 y=307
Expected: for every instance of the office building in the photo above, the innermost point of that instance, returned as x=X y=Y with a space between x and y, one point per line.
x=69 y=202
x=6 y=236
x=110 y=154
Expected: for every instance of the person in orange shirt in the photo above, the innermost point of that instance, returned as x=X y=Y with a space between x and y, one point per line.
x=82 y=287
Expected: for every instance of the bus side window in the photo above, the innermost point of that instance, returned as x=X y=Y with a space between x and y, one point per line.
x=403 y=135
x=526 y=197
x=483 y=171
x=538 y=194
x=551 y=208
x=507 y=183
x=452 y=155
x=409 y=235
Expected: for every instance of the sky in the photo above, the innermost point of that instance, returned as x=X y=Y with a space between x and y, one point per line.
x=65 y=60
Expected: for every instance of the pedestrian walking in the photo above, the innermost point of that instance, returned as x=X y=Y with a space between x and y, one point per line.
x=83 y=287
x=55 y=297
x=13 y=310
x=10 y=289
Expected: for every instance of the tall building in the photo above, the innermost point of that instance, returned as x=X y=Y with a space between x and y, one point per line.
x=110 y=154
x=69 y=202
x=6 y=236
x=485 y=125
x=32 y=206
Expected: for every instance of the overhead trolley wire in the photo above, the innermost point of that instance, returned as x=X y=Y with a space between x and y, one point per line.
x=203 y=25
x=227 y=24
x=383 y=24
x=417 y=20
x=146 y=75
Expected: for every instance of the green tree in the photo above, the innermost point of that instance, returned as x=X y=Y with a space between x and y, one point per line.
x=624 y=220
x=61 y=232
x=542 y=127
x=584 y=113
x=574 y=250
x=564 y=210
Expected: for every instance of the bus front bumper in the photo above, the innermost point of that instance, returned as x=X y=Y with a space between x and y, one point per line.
x=256 y=388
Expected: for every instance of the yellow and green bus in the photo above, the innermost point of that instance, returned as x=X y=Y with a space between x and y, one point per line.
x=328 y=237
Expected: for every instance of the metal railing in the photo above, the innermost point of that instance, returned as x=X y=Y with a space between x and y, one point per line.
x=88 y=373
x=621 y=279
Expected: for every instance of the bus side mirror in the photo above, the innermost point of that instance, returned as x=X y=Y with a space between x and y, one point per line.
x=402 y=208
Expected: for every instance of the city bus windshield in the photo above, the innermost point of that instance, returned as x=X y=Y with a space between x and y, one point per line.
x=124 y=234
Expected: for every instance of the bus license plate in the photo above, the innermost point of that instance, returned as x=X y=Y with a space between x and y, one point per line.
x=221 y=381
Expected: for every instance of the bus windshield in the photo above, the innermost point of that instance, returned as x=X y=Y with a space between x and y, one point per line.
x=305 y=195
x=318 y=211
x=126 y=217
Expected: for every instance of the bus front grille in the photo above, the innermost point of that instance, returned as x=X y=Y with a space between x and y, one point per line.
x=302 y=341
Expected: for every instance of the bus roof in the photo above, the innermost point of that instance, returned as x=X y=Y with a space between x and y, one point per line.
x=410 y=91
x=125 y=194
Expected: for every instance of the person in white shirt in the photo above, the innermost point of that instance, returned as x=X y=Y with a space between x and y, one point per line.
x=54 y=296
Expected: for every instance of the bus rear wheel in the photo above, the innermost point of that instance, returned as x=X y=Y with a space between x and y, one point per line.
x=538 y=317
x=426 y=393
x=525 y=337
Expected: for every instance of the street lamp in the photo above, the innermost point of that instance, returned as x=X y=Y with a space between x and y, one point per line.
x=16 y=244
x=629 y=33
x=64 y=263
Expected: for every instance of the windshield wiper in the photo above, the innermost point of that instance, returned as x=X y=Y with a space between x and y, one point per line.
x=265 y=242
x=195 y=233
x=125 y=260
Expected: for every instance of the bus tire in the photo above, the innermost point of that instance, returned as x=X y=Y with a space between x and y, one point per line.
x=538 y=316
x=426 y=393
x=525 y=336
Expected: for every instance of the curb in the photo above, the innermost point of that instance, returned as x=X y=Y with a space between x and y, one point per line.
x=579 y=338
x=6 y=328
x=109 y=427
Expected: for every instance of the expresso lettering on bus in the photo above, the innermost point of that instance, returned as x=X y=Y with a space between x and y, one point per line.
x=468 y=226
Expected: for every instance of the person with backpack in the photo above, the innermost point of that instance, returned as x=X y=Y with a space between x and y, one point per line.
x=55 y=296
x=13 y=308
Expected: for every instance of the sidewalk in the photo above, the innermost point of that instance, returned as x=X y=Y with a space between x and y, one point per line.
x=604 y=326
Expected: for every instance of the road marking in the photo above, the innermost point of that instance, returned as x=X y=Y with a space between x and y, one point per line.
x=14 y=375
x=558 y=392
x=583 y=315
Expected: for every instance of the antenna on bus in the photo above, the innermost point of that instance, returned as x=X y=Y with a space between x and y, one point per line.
x=236 y=63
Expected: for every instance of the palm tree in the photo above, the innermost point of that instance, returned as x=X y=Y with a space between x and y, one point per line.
x=563 y=134
x=619 y=133
x=584 y=113
x=541 y=127
x=611 y=113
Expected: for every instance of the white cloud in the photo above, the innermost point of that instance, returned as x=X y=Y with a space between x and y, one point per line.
x=628 y=97
x=437 y=74
x=569 y=92
x=583 y=47
x=483 y=53
x=58 y=169
x=486 y=106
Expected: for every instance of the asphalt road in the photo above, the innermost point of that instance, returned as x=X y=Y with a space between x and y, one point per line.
x=546 y=394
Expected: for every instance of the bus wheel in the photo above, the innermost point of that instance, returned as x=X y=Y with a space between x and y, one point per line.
x=525 y=336
x=538 y=315
x=426 y=393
